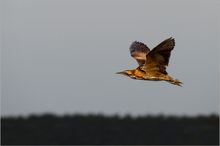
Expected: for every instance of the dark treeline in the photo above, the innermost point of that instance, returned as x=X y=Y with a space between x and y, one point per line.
x=98 y=129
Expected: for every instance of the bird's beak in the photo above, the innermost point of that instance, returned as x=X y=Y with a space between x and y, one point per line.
x=121 y=73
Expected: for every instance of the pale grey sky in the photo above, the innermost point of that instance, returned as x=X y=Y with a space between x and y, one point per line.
x=60 y=56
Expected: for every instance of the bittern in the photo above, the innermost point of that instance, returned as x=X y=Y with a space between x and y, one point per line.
x=152 y=63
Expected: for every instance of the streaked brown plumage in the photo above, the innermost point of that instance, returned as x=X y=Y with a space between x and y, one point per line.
x=152 y=63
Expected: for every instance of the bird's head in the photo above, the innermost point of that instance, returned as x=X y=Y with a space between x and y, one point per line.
x=128 y=73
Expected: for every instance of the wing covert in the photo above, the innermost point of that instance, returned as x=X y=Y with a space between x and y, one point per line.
x=158 y=58
x=139 y=51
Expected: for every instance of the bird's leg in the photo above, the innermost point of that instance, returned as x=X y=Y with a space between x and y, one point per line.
x=171 y=80
x=176 y=82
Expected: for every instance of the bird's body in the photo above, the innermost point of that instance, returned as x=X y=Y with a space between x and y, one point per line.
x=152 y=64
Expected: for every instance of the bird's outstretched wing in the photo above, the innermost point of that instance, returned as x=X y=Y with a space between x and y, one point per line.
x=139 y=51
x=158 y=58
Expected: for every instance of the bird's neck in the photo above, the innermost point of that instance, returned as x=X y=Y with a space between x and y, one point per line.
x=138 y=73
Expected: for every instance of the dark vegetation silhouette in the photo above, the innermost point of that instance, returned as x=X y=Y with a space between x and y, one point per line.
x=50 y=129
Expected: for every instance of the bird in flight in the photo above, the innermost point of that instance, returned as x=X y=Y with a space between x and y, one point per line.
x=152 y=63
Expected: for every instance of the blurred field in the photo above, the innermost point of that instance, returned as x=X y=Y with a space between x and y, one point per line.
x=98 y=129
